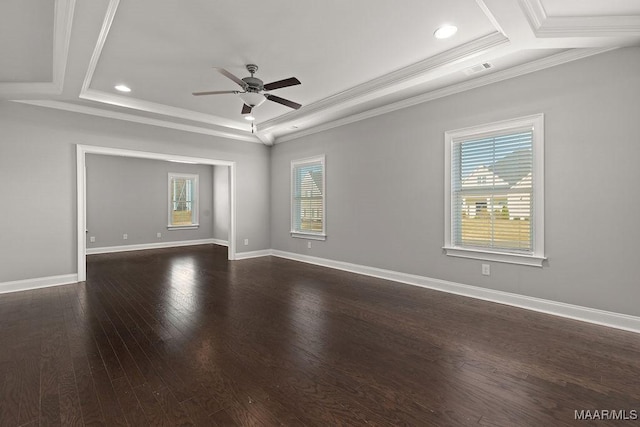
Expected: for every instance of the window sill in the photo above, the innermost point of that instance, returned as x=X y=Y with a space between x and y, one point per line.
x=310 y=236
x=506 y=257
x=183 y=227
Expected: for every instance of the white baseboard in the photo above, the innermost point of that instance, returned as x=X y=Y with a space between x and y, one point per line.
x=585 y=314
x=39 y=282
x=253 y=254
x=158 y=245
x=576 y=312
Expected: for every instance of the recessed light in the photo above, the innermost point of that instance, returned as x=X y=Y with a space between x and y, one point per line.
x=445 y=31
x=123 y=88
x=250 y=118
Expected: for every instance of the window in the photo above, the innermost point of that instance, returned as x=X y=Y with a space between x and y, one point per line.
x=183 y=201
x=308 y=198
x=494 y=204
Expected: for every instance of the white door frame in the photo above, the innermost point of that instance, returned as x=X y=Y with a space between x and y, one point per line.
x=81 y=179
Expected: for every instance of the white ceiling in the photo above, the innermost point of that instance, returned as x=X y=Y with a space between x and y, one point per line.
x=33 y=34
x=355 y=58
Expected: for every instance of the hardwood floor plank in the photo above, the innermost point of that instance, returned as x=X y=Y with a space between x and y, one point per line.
x=111 y=410
x=106 y=352
x=129 y=403
x=160 y=371
x=70 y=409
x=222 y=418
x=89 y=403
x=176 y=414
x=151 y=406
x=197 y=412
x=120 y=349
x=143 y=371
x=50 y=357
x=29 y=368
x=9 y=393
x=182 y=336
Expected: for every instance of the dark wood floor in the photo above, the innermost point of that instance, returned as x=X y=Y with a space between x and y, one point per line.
x=182 y=336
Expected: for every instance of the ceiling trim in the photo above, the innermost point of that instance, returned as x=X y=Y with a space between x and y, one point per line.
x=490 y=16
x=83 y=109
x=266 y=138
x=61 y=40
x=404 y=77
x=102 y=38
x=135 y=103
x=63 y=21
x=156 y=108
x=519 y=70
x=544 y=25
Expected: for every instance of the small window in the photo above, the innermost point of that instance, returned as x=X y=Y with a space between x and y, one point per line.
x=183 y=201
x=308 y=198
x=494 y=207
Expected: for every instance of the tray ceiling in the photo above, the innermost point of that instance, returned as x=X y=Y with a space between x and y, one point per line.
x=354 y=59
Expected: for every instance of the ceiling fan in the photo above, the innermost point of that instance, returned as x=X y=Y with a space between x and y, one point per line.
x=253 y=89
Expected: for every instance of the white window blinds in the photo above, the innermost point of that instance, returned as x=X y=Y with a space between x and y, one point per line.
x=183 y=200
x=308 y=197
x=492 y=191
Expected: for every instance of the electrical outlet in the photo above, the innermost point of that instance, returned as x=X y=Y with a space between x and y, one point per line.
x=246 y=242
x=92 y=239
x=309 y=245
x=486 y=269
x=125 y=236
x=159 y=235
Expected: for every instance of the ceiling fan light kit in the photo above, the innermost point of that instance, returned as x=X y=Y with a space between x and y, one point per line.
x=252 y=99
x=253 y=90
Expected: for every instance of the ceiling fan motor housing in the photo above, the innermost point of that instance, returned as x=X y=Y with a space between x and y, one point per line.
x=254 y=84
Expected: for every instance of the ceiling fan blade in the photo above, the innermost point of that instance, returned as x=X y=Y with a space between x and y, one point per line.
x=282 y=101
x=214 y=92
x=227 y=74
x=246 y=109
x=291 y=81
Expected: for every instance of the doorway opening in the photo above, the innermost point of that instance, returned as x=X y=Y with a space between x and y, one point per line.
x=81 y=176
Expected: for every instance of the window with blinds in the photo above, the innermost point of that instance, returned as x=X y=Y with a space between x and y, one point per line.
x=183 y=200
x=495 y=191
x=308 y=198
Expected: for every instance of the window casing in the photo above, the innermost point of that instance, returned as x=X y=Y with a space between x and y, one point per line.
x=494 y=191
x=183 y=201
x=308 y=198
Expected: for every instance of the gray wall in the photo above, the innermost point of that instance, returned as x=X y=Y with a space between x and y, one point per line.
x=38 y=172
x=129 y=195
x=385 y=184
x=591 y=116
x=221 y=202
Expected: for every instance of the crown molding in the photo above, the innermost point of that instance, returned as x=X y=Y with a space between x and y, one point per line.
x=519 y=70
x=393 y=81
x=376 y=87
x=490 y=16
x=75 y=108
x=102 y=39
x=63 y=21
x=266 y=138
x=534 y=12
x=156 y=108
x=545 y=26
